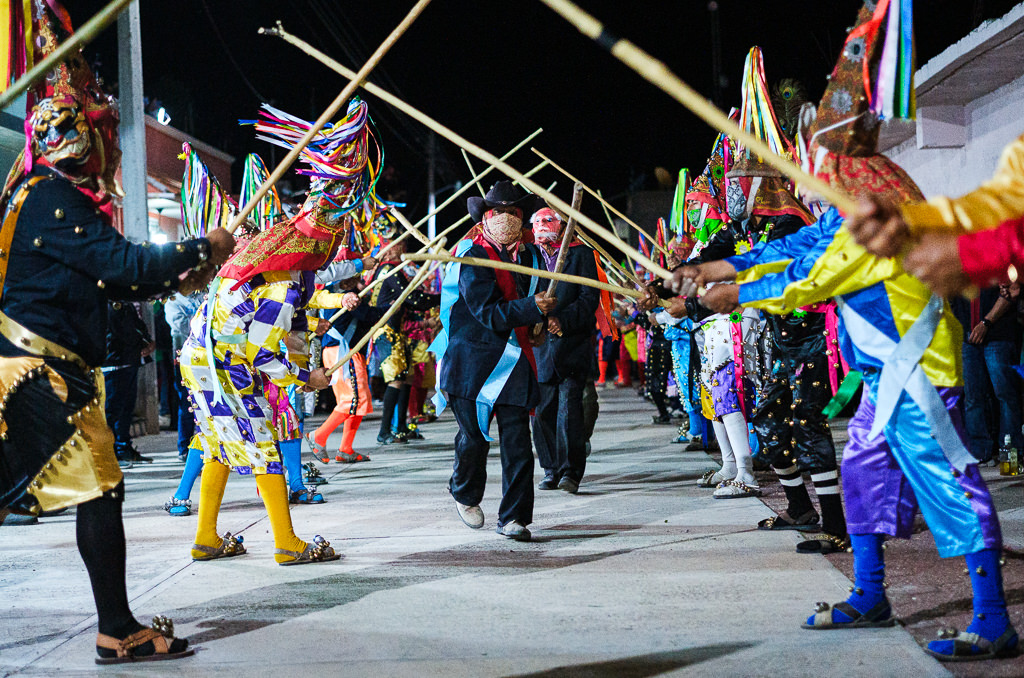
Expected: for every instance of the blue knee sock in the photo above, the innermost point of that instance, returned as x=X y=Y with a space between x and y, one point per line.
x=990 y=617
x=193 y=467
x=695 y=426
x=868 y=576
x=291 y=453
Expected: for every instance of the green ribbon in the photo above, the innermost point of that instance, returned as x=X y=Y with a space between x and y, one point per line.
x=844 y=395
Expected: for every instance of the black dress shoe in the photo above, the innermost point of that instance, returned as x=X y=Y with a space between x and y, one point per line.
x=567 y=484
x=550 y=482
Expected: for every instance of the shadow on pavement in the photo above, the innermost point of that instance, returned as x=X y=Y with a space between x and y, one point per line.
x=640 y=666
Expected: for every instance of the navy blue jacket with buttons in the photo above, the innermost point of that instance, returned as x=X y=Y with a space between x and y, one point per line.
x=66 y=262
x=480 y=324
x=570 y=355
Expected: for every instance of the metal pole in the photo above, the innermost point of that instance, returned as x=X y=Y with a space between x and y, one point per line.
x=135 y=213
x=431 y=186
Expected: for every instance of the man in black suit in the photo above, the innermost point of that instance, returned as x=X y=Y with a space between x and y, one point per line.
x=487 y=369
x=564 y=360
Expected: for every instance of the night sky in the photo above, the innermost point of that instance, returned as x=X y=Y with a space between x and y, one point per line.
x=494 y=70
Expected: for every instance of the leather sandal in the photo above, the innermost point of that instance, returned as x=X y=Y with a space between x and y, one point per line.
x=159 y=637
x=350 y=457
x=230 y=547
x=317 y=551
x=319 y=451
x=824 y=544
x=178 y=507
x=879 y=616
x=711 y=479
x=964 y=644
x=307 y=495
x=313 y=475
x=784 y=521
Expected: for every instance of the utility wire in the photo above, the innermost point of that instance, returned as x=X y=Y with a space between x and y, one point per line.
x=231 y=57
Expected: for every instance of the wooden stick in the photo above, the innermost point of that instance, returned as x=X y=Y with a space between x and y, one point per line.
x=409 y=228
x=472 y=173
x=420 y=276
x=625 y=272
x=476 y=177
x=597 y=194
x=339 y=101
x=480 y=153
x=464 y=219
x=658 y=74
x=570 y=230
x=85 y=34
x=525 y=270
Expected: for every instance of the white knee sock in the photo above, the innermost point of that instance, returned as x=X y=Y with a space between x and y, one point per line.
x=736 y=427
x=728 y=458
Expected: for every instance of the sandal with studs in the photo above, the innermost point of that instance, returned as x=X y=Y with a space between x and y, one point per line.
x=230 y=546
x=962 y=646
x=879 y=616
x=317 y=551
x=155 y=643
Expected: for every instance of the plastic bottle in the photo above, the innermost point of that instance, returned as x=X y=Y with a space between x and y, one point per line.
x=1014 y=459
x=1004 y=459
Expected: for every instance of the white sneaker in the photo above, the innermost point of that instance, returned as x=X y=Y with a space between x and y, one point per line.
x=514 y=530
x=473 y=516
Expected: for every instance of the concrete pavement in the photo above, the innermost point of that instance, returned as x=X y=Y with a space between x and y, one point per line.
x=641 y=574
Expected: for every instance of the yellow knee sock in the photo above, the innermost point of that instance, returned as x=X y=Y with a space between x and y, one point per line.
x=211 y=492
x=275 y=498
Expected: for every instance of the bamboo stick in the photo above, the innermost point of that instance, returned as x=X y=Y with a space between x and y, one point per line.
x=472 y=173
x=480 y=153
x=625 y=272
x=409 y=228
x=370 y=87
x=525 y=270
x=658 y=74
x=86 y=33
x=339 y=101
x=420 y=276
x=597 y=194
x=476 y=179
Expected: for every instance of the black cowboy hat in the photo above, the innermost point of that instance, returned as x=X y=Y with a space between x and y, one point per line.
x=502 y=194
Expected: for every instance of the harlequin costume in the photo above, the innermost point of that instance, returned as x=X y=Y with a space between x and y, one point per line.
x=259 y=297
x=564 y=361
x=391 y=342
x=486 y=363
x=906 y=448
x=60 y=262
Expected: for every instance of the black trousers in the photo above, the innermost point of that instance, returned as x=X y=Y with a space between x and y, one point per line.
x=558 y=430
x=469 y=474
x=122 y=387
x=788 y=417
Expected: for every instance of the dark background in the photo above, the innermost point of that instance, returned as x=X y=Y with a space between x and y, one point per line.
x=494 y=71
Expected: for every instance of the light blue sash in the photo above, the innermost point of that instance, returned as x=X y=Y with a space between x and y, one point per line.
x=499 y=376
x=901 y=371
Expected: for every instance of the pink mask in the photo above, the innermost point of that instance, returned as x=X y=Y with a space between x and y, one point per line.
x=546 y=226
